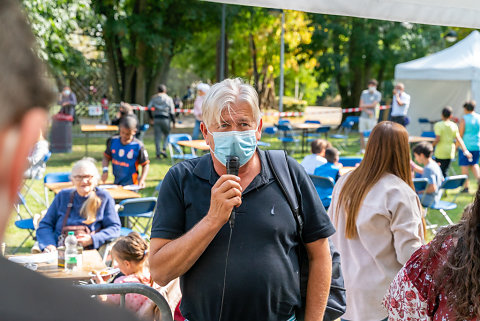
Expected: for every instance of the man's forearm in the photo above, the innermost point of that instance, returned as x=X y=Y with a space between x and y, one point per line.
x=319 y=278
x=176 y=257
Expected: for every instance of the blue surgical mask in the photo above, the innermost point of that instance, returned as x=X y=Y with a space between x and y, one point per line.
x=236 y=143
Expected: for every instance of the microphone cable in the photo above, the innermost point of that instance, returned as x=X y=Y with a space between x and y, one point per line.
x=225 y=272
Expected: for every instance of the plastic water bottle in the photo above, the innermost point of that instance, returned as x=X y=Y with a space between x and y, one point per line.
x=71 y=252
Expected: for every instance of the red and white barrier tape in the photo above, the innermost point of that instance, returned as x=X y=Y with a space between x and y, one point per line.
x=276 y=114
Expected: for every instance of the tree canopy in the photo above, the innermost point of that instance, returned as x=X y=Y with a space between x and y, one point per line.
x=134 y=45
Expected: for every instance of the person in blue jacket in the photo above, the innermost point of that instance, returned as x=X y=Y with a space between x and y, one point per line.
x=92 y=212
x=330 y=169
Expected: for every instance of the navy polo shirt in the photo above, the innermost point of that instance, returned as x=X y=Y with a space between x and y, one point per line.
x=262 y=276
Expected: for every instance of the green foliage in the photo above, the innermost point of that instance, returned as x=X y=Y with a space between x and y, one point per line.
x=352 y=50
x=58 y=25
x=293 y=104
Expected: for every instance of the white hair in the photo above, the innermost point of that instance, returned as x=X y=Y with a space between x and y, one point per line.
x=203 y=87
x=88 y=165
x=226 y=94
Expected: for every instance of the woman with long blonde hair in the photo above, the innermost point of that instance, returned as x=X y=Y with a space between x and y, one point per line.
x=378 y=218
x=87 y=211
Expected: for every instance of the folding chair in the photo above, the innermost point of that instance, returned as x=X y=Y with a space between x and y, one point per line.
x=426 y=121
x=176 y=151
x=271 y=130
x=157 y=189
x=420 y=184
x=429 y=134
x=450 y=183
x=324 y=187
x=343 y=131
x=287 y=136
x=135 y=209
x=35 y=173
x=350 y=161
x=24 y=223
x=142 y=131
x=54 y=178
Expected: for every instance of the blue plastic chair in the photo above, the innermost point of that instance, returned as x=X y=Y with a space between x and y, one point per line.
x=142 y=131
x=424 y=121
x=54 y=178
x=450 y=183
x=344 y=129
x=176 y=151
x=271 y=130
x=428 y=134
x=350 y=161
x=135 y=209
x=23 y=223
x=324 y=187
x=283 y=121
x=287 y=135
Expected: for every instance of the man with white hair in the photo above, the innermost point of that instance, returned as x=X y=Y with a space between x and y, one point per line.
x=400 y=104
x=24 y=97
x=248 y=269
x=202 y=90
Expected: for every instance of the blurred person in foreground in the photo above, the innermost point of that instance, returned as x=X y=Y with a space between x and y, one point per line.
x=441 y=281
x=191 y=234
x=24 y=97
x=378 y=217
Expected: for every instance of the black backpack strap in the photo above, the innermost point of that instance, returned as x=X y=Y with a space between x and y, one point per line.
x=277 y=160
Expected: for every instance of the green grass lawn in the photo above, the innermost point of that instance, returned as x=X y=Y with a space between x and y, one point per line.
x=158 y=169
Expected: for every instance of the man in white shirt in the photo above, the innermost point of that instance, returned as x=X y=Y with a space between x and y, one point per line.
x=400 y=104
x=369 y=104
x=317 y=157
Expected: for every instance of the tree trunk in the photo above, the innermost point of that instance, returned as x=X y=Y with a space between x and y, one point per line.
x=112 y=69
x=140 y=82
x=253 y=50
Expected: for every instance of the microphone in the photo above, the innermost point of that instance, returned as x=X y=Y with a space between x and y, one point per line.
x=233 y=165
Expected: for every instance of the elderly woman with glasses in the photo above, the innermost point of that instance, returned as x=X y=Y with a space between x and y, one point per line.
x=87 y=211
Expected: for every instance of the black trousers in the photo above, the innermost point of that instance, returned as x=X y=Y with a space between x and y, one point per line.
x=399 y=120
x=444 y=165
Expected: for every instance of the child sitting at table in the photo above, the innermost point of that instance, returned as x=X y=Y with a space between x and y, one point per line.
x=317 y=157
x=330 y=169
x=126 y=153
x=130 y=253
x=431 y=171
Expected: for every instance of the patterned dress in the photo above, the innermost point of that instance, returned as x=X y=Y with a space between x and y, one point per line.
x=413 y=294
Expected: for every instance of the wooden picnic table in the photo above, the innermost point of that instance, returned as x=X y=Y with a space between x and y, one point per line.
x=305 y=128
x=91 y=260
x=196 y=143
x=87 y=129
x=346 y=169
x=418 y=139
x=118 y=193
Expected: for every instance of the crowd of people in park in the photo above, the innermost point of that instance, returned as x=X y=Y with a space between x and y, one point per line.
x=236 y=228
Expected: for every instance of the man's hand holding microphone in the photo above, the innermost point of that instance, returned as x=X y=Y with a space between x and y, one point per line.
x=226 y=194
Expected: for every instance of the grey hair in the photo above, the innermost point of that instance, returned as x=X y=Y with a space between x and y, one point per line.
x=88 y=164
x=224 y=95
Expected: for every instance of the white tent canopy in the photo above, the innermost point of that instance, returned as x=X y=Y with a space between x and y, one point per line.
x=459 y=13
x=448 y=77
